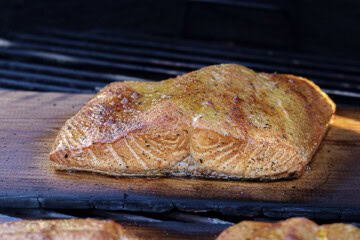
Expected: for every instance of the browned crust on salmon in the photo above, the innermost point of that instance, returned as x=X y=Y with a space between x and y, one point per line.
x=81 y=229
x=223 y=121
x=292 y=228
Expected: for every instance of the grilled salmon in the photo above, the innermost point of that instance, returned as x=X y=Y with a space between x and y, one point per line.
x=224 y=121
x=290 y=229
x=68 y=229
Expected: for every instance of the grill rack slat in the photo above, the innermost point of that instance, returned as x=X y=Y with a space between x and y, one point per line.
x=66 y=56
x=320 y=82
x=174 y=45
x=32 y=86
x=93 y=51
x=314 y=72
x=48 y=74
x=41 y=78
x=209 y=58
x=99 y=65
x=67 y=72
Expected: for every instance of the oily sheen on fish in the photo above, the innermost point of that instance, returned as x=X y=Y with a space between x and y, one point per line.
x=290 y=229
x=224 y=121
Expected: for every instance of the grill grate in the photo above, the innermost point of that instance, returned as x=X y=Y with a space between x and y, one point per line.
x=56 y=60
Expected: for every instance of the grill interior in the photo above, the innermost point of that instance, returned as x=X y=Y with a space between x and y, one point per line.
x=83 y=62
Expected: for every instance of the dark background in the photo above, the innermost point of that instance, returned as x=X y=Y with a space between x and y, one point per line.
x=330 y=28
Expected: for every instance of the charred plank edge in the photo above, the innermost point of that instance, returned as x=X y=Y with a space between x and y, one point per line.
x=142 y=203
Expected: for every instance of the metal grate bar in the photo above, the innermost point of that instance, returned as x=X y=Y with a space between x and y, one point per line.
x=68 y=72
x=201 y=48
x=84 y=62
x=206 y=45
x=99 y=65
x=98 y=78
x=152 y=61
x=342 y=93
x=40 y=78
x=67 y=60
x=182 y=57
x=92 y=51
x=32 y=86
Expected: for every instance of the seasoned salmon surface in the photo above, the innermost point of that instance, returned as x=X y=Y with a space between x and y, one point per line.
x=290 y=229
x=224 y=121
x=68 y=229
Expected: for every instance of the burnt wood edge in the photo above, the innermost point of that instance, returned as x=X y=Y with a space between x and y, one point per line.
x=141 y=203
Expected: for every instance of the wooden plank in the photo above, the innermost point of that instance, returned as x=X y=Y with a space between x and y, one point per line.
x=29 y=122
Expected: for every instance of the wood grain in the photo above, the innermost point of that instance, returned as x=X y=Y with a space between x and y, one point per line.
x=29 y=124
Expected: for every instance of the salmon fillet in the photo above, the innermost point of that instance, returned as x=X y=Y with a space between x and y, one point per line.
x=224 y=121
x=290 y=229
x=68 y=229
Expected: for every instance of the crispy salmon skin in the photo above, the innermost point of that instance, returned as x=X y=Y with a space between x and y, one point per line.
x=224 y=121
